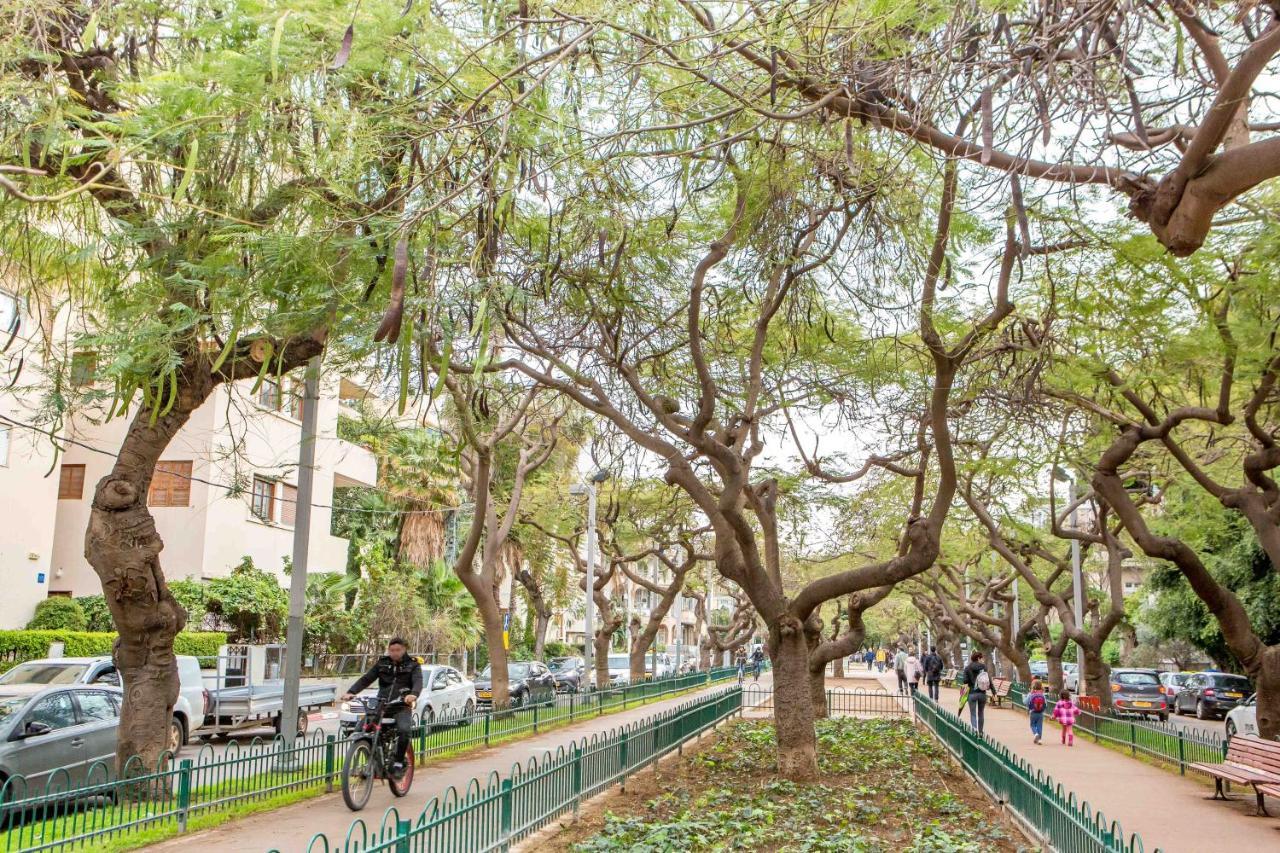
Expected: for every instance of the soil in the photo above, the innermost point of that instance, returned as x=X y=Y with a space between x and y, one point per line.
x=931 y=806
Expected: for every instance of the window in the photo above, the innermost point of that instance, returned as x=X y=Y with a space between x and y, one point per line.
x=84 y=367
x=96 y=705
x=71 y=482
x=269 y=394
x=54 y=711
x=9 y=317
x=4 y=445
x=288 y=503
x=171 y=484
x=264 y=498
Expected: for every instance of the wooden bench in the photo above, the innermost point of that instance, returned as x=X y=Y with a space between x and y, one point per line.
x=1249 y=761
x=1000 y=688
x=949 y=676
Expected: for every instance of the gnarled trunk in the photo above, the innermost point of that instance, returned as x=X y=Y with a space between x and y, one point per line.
x=491 y=617
x=1097 y=675
x=793 y=711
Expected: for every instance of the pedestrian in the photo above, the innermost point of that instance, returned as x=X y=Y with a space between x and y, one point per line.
x=1065 y=712
x=978 y=682
x=870 y=658
x=914 y=671
x=900 y=667
x=933 y=667
x=880 y=656
x=1037 y=704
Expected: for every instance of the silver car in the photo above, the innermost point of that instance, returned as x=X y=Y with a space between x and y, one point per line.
x=51 y=736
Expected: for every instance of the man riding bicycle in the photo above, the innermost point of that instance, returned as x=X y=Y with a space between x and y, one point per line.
x=757 y=662
x=394 y=672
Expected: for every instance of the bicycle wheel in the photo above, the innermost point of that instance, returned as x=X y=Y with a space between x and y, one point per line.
x=400 y=787
x=357 y=774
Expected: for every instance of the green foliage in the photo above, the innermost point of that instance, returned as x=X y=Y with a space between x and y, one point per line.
x=330 y=627
x=882 y=787
x=191 y=595
x=19 y=646
x=96 y=613
x=251 y=601
x=557 y=649
x=58 y=614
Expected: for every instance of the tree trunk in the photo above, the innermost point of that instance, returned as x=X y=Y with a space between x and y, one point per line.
x=704 y=657
x=793 y=711
x=542 y=621
x=602 y=641
x=123 y=547
x=1267 y=680
x=1097 y=675
x=491 y=616
x=817 y=669
x=1053 y=657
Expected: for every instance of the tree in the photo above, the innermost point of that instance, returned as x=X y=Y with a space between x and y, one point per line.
x=250 y=601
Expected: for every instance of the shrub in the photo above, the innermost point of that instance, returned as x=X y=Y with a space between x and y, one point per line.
x=58 y=614
x=19 y=646
x=555 y=649
x=250 y=600
x=96 y=613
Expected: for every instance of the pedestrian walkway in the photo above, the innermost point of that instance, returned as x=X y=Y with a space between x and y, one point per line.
x=290 y=829
x=1169 y=811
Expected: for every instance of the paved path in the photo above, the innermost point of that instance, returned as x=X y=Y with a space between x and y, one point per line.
x=291 y=829
x=1170 y=812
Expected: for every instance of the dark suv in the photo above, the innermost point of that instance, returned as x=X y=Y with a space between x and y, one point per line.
x=1212 y=694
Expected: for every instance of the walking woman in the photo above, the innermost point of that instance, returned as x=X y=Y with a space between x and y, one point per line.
x=978 y=682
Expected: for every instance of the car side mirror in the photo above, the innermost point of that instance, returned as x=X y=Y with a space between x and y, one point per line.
x=35 y=729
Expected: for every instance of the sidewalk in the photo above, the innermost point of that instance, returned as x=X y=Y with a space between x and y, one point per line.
x=290 y=829
x=1173 y=813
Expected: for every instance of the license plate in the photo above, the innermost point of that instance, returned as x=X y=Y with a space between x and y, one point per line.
x=484 y=694
x=1233 y=695
x=1142 y=704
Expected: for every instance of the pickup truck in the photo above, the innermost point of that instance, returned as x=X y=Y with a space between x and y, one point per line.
x=189 y=712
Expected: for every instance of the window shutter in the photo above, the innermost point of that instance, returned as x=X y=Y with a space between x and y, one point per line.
x=71 y=482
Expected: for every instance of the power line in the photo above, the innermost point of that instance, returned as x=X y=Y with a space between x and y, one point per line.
x=233 y=490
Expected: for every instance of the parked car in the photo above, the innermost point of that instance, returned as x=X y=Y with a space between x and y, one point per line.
x=188 y=712
x=1171 y=683
x=1139 y=691
x=1211 y=694
x=528 y=682
x=567 y=673
x=1243 y=718
x=1071 y=677
x=1039 y=669
x=446 y=696
x=50 y=736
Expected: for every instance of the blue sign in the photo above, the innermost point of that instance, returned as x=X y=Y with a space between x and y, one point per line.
x=40 y=577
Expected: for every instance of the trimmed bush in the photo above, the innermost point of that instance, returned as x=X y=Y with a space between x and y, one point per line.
x=58 y=614
x=96 y=612
x=19 y=646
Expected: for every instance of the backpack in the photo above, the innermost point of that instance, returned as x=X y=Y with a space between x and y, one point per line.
x=982 y=681
x=1037 y=703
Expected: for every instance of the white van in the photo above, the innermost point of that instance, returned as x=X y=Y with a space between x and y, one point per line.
x=188 y=712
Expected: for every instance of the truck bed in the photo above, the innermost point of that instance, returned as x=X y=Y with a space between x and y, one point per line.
x=266 y=699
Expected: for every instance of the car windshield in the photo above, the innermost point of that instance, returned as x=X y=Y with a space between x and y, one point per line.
x=619 y=662
x=514 y=671
x=10 y=705
x=44 y=673
x=1178 y=677
x=1137 y=678
x=1231 y=682
x=562 y=665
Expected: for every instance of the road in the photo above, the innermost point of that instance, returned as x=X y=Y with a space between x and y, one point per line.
x=325 y=720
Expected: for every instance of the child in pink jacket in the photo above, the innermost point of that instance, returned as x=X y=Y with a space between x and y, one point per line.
x=1065 y=712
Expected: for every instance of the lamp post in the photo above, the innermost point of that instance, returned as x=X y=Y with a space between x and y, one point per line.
x=1077 y=582
x=589 y=489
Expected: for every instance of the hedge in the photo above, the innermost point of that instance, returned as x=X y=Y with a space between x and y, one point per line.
x=19 y=646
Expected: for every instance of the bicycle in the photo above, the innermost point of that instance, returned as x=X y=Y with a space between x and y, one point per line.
x=371 y=755
x=756 y=668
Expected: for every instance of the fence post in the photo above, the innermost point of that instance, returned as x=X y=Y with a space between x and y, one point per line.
x=421 y=751
x=487 y=717
x=1133 y=739
x=506 y=809
x=571 y=695
x=535 y=718
x=184 y=793
x=1182 y=754
x=330 y=761
x=577 y=777
x=622 y=759
x=402 y=836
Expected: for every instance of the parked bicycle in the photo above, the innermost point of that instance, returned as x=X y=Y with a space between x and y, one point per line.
x=371 y=755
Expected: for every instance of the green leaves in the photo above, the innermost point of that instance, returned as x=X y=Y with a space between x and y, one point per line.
x=276 y=36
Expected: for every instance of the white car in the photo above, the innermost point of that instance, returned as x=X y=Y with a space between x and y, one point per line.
x=1071 y=677
x=188 y=712
x=446 y=696
x=1243 y=718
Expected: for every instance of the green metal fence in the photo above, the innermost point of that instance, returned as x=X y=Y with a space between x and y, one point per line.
x=494 y=813
x=1067 y=825
x=86 y=806
x=841 y=702
x=1160 y=741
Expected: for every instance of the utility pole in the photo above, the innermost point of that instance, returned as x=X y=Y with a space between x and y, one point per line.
x=679 y=625
x=301 y=542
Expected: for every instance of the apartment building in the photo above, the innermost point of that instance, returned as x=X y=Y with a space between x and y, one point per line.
x=225 y=489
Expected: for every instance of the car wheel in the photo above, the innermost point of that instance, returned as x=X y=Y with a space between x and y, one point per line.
x=468 y=711
x=1201 y=713
x=177 y=735
x=1231 y=729
x=429 y=719
x=1164 y=718
x=518 y=700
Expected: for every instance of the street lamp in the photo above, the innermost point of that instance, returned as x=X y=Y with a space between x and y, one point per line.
x=589 y=489
x=1077 y=582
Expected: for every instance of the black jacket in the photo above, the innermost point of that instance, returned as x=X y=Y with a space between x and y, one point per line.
x=392 y=677
x=932 y=665
x=971 y=676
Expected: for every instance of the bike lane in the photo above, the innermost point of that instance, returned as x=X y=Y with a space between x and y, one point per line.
x=291 y=828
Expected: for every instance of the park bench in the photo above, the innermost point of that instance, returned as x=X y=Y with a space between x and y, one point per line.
x=1000 y=688
x=1249 y=761
x=949 y=676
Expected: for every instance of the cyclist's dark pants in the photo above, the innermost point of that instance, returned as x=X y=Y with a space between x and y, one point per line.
x=404 y=728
